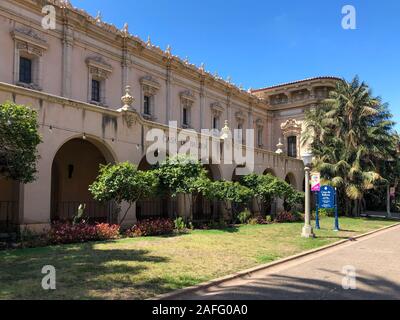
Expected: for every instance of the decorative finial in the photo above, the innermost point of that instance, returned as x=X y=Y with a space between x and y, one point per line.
x=226 y=132
x=65 y=3
x=168 y=51
x=98 y=17
x=279 y=146
x=148 y=43
x=127 y=99
x=125 y=29
x=186 y=61
x=229 y=79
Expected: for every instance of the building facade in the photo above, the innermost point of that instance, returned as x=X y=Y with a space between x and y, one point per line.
x=74 y=76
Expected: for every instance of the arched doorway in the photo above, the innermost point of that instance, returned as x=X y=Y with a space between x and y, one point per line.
x=9 y=205
x=291 y=179
x=160 y=206
x=269 y=171
x=75 y=167
x=206 y=209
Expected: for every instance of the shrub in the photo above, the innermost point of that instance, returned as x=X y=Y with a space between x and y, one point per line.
x=268 y=219
x=106 y=231
x=255 y=221
x=155 y=227
x=325 y=213
x=244 y=216
x=180 y=224
x=286 y=216
x=65 y=233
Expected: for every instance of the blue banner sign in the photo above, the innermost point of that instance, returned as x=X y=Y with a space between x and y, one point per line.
x=327 y=197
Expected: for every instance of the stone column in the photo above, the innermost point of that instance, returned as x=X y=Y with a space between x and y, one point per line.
x=202 y=104
x=125 y=57
x=168 y=102
x=68 y=40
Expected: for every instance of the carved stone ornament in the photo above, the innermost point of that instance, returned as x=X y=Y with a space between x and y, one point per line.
x=30 y=41
x=291 y=127
x=150 y=85
x=217 y=108
x=259 y=123
x=187 y=97
x=240 y=117
x=99 y=67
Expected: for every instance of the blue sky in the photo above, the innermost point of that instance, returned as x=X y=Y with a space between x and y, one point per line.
x=262 y=43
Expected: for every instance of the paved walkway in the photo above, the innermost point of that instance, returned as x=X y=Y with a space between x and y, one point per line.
x=319 y=277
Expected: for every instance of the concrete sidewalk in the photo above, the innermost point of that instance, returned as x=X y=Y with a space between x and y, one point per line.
x=376 y=260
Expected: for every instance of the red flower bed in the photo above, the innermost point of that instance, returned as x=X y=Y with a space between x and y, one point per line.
x=287 y=217
x=106 y=231
x=64 y=233
x=155 y=227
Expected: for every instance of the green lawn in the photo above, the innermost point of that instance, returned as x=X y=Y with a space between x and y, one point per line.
x=143 y=268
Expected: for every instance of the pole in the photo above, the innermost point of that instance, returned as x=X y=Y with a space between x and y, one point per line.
x=317 y=225
x=307 y=229
x=336 y=212
x=388 y=198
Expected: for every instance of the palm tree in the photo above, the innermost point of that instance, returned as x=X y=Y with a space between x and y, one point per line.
x=351 y=135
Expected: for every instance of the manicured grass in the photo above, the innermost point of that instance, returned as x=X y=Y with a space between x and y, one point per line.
x=143 y=268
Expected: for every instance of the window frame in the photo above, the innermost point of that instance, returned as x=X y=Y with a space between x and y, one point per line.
x=25 y=76
x=292 y=146
x=96 y=98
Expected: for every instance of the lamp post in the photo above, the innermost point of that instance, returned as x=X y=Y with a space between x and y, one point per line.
x=307 y=229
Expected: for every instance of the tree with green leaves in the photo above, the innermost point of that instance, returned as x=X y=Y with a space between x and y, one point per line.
x=183 y=175
x=232 y=194
x=267 y=187
x=351 y=136
x=123 y=182
x=19 y=139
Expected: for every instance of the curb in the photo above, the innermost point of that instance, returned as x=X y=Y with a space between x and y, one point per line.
x=248 y=272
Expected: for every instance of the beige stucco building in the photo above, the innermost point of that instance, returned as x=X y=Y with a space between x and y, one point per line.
x=74 y=76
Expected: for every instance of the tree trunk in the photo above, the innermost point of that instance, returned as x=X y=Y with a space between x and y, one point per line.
x=126 y=213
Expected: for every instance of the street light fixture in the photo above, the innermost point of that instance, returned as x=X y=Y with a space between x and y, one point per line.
x=307 y=229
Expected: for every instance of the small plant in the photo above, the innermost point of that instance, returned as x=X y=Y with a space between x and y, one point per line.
x=268 y=219
x=180 y=225
x=254 y=221
x=244 y=216
x=323 y=213
x=79 y=216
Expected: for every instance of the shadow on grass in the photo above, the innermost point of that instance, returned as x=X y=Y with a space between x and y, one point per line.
x=83 y=271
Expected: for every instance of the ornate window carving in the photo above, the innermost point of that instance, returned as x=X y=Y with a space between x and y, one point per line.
x=291 y=131
x=99 y=72
x=29 y=48
x=216 y=112
x=187 y=100
x=150 y=88
x=240 y=119
x=260 y=133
